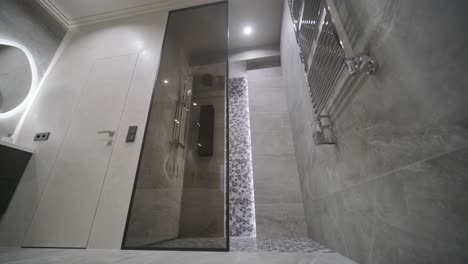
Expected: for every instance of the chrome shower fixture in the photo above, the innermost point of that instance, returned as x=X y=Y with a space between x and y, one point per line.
x=361 y=63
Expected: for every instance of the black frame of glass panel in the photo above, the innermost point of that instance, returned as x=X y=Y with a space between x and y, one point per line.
x=123 y=247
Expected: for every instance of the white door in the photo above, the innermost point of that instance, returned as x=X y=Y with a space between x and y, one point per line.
x=66 y=211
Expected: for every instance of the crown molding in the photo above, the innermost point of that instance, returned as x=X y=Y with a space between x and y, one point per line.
x=157 y=5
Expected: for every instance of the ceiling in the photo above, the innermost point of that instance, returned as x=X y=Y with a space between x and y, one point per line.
x=264 y=16
x=200 y=30
x=75 y=13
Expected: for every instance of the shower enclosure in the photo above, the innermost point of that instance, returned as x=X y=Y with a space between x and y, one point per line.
x=179 y=197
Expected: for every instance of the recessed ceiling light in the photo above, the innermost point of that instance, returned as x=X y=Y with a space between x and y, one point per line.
x=166 y=81
x=248 y=30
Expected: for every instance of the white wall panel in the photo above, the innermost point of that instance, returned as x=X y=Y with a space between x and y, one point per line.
x=53 y=111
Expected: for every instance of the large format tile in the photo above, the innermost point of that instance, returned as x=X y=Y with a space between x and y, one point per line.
x=276 y=180
x=393 y=245
x=356 y=220
x=323 y=223
x=267 y=74
x=275 y=143
x=280 y=220
x=427 y=203
x=266 y=122
x=278 y=200
x=392 y=189
x=413 y=215
x=52 y=256
x=268 y=101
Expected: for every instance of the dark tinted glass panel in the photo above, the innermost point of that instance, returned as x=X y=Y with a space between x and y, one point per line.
x=179 y=201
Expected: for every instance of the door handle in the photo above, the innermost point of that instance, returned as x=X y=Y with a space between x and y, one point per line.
x=111 y=133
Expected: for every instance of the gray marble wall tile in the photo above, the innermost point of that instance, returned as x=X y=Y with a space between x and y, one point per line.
x=267 y=122
x=414 y=215
x=391 y=190
x=280 y=220
x=282 y=189
x=278 y=200
x=393 y=245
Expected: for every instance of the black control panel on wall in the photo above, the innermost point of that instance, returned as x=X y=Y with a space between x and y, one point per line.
x=206 y=131
x=131 y=134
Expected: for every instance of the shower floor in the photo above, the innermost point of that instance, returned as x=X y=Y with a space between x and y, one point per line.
x=60 y=256
x=194 y=242
x=293 y=245
x=250 y=244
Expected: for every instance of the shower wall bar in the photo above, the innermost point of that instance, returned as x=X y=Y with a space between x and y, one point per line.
x=327 y=55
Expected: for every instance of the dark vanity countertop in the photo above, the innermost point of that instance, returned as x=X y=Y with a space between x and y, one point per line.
x=12 y=146
x=13 y=162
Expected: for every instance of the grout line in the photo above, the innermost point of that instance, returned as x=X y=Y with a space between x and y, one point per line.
x=374 y=224
x=393 y=171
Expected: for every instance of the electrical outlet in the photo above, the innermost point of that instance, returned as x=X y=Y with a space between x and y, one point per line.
x=42 y=136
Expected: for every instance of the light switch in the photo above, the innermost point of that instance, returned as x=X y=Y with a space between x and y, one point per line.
x=131 y=134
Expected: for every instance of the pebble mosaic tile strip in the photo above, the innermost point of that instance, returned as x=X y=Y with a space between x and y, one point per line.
x=296 y=245
x=241 y=193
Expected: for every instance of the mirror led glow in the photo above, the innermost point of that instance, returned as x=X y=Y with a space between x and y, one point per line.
x=34 y=78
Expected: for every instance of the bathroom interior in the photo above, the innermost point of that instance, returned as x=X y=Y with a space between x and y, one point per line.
x=267 y=131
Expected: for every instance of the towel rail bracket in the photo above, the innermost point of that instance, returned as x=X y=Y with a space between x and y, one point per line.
x=361 y=63
x=325 y=135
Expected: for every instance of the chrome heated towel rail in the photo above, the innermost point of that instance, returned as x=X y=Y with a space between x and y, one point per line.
x=328 y=58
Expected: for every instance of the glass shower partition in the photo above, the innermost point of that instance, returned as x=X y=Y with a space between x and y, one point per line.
x=179 y=200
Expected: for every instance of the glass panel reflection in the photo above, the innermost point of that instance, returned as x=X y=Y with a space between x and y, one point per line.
x=179 y=198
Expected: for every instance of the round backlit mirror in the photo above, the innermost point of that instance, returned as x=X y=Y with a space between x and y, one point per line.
x=16 y=77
